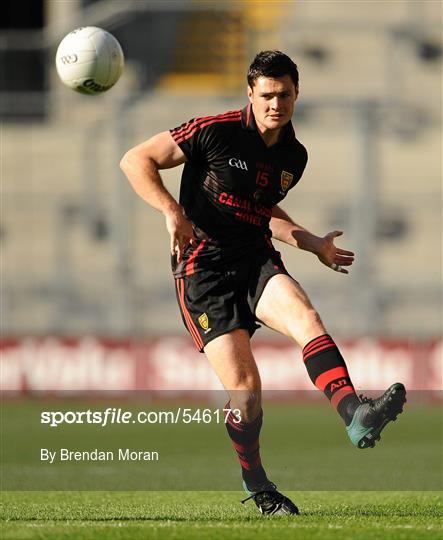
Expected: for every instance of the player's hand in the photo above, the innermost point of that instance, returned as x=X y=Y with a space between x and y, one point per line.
x=332 y=256
x=181 y=233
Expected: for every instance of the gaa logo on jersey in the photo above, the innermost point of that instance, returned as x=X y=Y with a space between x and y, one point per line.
x=204 y=322
x=240 y=164
x=286 y=180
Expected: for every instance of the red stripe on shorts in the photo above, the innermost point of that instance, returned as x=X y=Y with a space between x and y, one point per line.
x=189 y=322
x=190 y=264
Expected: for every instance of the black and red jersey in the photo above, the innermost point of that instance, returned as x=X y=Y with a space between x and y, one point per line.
x=230 y=183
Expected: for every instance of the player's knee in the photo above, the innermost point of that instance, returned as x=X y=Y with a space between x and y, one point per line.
x=306 y=326
x=312 y=321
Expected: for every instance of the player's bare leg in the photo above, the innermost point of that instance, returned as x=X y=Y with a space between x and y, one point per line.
x=232 y=359
x=285 y=307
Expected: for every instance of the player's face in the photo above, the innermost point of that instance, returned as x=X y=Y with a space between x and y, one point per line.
x=272 y=102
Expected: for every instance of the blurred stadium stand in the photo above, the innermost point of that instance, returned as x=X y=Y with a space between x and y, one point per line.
x=82 y=255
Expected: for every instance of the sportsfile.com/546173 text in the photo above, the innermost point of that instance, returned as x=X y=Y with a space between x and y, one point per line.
x=113 y=415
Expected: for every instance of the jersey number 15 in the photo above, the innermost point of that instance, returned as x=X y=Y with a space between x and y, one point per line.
x=262 y=178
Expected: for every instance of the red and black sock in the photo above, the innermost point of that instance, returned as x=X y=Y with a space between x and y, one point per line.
x=245 y=440
x=327 y=370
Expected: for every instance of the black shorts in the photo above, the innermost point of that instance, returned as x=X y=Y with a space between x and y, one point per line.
x=214 y=302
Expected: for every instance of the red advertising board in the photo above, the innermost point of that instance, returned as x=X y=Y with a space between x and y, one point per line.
x=92 y=364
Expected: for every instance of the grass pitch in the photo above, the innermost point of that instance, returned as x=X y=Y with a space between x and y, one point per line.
x=304 y=448
x=209 y=515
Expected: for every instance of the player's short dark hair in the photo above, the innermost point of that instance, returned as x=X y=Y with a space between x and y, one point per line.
x=272 y=64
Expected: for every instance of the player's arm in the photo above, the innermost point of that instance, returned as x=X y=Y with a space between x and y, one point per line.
x=141 y=165
x=286 y=230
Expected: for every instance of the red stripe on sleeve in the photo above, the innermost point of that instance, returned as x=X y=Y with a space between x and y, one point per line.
x=181 y=139
x=182 y=131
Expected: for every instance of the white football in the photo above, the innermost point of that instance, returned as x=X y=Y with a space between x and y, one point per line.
x=89 y=60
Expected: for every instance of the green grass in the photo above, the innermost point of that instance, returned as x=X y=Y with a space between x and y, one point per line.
x=209 y=515
x=304 y=448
